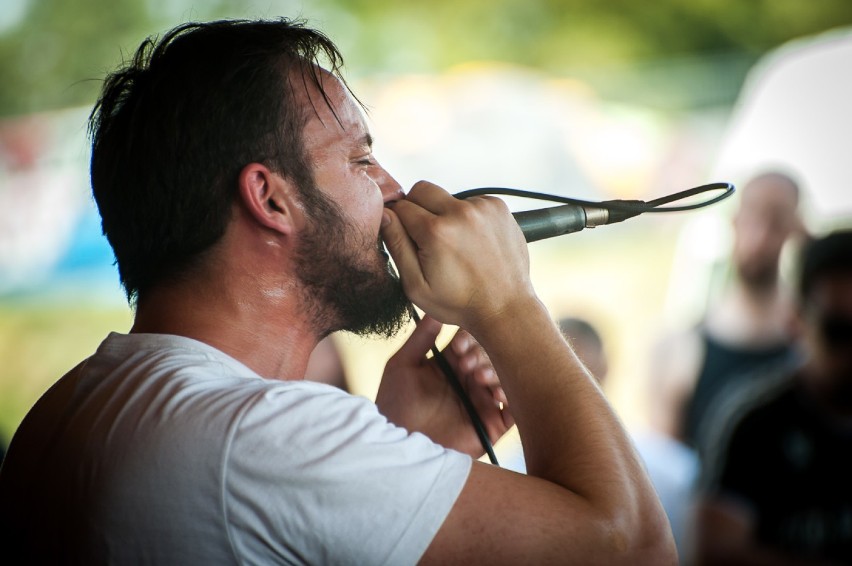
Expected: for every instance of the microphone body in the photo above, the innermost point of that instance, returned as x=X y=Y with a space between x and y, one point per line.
x=558 y=220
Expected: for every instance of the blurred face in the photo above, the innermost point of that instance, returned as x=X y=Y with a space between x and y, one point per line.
x=828 y=329
x=765 y=220
x=341 y=261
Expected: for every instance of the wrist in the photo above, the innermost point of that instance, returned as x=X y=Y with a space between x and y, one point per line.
x=506 y=319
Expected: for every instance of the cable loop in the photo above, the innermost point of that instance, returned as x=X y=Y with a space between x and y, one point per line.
x=635 y=206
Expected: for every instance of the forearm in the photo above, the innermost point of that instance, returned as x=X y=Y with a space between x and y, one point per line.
x=571 y=435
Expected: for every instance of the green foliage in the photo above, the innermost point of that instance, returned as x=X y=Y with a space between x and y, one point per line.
x=56 y=56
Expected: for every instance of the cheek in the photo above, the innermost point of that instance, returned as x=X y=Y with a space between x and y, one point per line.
x=358 y=199
x=368 y=206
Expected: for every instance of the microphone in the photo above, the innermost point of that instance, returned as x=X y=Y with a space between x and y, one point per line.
x=555 y=221
x=558 y=220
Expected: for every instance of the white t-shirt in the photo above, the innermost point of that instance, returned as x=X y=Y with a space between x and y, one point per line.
x=161 y=449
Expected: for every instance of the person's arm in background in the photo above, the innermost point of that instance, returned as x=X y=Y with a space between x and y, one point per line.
x=586 y=498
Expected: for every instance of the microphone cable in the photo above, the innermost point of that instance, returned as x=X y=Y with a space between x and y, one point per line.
x=627 y=208
x=620 y=210
x=454 y=382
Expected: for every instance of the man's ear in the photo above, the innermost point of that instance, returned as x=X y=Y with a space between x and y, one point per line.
x=272 y=200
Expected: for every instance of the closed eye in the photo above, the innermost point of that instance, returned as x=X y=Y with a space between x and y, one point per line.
x=364 y=149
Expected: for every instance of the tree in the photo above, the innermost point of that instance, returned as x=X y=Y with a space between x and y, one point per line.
x=57 y=54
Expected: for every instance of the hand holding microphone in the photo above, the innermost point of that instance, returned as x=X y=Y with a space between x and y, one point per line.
x=456 y=255
x=461 y=261
x=442 y=245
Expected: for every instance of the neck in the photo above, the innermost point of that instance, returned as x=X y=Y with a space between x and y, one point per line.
x=261 y=326
x=762 y=295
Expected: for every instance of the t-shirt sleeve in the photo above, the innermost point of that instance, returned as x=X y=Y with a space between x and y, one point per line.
x=314 y=475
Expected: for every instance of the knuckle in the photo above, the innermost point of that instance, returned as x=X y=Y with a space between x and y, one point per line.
x=420 y=185
x=496 y=203
x=470 y=215
x=438 y=231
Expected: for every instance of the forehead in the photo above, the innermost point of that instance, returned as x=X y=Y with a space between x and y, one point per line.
x=770 y=193
x=767 y=203
x=332 y=114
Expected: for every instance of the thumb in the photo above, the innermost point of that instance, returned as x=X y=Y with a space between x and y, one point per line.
x=402 y=248
x=420 y=341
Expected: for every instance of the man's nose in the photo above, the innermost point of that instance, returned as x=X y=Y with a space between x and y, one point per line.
x=391 y=189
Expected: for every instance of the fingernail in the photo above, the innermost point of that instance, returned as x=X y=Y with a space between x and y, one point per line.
x=386 y=219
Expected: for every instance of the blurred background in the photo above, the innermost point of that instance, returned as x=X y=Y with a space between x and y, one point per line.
x=596 y=100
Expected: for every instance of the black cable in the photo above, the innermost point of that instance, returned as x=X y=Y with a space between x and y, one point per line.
x=624 y=207
x=454 y=382
x=466 y=402
x=631 y=206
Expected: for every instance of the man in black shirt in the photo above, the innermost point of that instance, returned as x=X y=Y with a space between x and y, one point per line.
x=777 y=481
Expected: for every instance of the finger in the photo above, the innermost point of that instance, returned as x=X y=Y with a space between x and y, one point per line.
x=418 y=222
x=461 y=343
x=402 y=249
x=431 y=197
x=475 y=363
x=503 y=406
x=485 y=375
x=490 y=410
x=473 y=358
x=502 y=403
x=420 y=341
x=500 y=397
x=463 y=353
x=508 y=418
x=489 y=402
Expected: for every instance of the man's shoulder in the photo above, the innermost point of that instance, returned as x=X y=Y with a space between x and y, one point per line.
x=180 y=393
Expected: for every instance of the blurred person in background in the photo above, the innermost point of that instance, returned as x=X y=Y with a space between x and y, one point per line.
x=746 y=328
x=587 y=342
x=776 y=483
x=237 y=185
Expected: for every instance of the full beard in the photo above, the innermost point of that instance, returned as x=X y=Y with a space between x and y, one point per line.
x=348 y=282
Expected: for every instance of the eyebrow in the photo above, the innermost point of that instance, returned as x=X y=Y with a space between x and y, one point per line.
x=366 y=140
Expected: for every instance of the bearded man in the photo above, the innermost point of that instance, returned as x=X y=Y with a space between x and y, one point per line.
x=237 y=186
